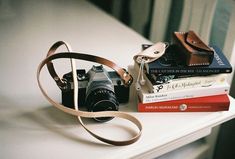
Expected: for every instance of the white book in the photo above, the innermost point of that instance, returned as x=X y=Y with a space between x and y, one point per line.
x=187 y=83
x=147 y=97
x=183 y=83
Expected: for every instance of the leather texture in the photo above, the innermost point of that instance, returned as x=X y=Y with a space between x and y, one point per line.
x=192 y=49
x=51 y=55
x=152 y=53
x=125 y=76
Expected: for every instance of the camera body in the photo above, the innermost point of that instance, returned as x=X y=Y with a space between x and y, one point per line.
x=98 y=90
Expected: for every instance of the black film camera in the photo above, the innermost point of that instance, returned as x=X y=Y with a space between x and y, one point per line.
x=98 y=90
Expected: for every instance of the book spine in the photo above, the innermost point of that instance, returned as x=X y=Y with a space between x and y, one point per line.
x=188 y=83
x=152 y=107
x=201 y=104
x=204 y=71
x=219 y=64
x=147 y=97
x=184 y=83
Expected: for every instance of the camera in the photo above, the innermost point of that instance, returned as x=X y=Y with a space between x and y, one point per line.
x=98 y=90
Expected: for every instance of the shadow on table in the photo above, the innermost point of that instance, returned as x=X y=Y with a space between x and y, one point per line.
x=58 y=122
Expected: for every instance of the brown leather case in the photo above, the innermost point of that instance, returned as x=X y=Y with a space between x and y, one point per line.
x=192 y=49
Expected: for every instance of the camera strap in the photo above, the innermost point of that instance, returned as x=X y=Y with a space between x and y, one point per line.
x=148 y=55
x=126 y=77
x=152 y=53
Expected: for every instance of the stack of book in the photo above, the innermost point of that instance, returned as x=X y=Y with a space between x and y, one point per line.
x=179 y=88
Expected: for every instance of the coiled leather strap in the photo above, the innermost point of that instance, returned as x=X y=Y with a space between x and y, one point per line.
x=123 y=74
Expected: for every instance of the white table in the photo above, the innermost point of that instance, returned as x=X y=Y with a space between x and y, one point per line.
x=31 y=128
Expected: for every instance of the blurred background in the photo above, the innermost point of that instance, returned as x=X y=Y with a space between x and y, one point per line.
x=212 y=20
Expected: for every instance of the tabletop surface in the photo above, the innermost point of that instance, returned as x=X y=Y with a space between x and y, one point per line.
x=31 y=128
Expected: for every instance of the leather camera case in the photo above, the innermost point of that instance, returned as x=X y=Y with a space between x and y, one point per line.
x=192 y=49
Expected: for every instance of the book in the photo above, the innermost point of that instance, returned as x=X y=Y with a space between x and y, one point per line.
x=187 y=83
x=164 y=83
x=147 y=97
x=201 y=104
x=219 y=64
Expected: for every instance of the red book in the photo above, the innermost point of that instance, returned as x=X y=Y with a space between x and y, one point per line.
x=200 y=104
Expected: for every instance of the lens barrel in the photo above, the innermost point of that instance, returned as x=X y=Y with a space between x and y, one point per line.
x=102 y=99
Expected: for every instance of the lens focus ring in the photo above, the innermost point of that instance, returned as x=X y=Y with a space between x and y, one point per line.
x=102 y=99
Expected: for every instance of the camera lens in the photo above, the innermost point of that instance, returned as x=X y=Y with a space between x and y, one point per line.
x=102 y=99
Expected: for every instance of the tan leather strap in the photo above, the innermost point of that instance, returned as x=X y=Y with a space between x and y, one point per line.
x=50 y=65
x=125 y=76
x=148 y=55
x=152 y=53
x=78 y=113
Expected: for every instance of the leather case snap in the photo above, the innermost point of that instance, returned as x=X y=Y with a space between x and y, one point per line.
x=192 y=49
